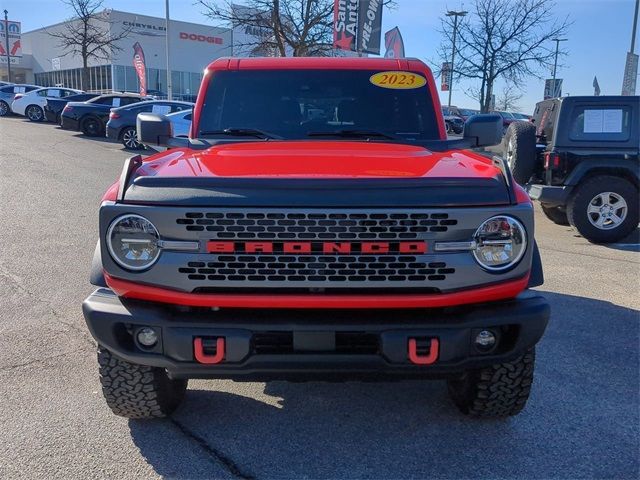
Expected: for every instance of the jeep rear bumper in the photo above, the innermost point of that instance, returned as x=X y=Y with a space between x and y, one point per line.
x=554 y=196
x=294 y=344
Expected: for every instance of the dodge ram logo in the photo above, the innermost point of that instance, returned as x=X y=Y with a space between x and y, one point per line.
x=311 y=248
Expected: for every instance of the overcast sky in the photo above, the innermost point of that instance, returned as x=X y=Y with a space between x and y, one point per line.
x=598 y=39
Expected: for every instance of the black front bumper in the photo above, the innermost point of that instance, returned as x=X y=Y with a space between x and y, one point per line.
x=69 y=123
x=296 y=344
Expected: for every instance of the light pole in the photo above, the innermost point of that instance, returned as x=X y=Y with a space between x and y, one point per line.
x=455 y=16
x=633 y=31
x=166 y=38
x=6 y=37
x=555 y=64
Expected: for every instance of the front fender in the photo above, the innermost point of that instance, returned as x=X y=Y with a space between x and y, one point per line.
x=96 y=275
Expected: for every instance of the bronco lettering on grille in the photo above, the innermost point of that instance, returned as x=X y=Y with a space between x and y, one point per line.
x=309 y=248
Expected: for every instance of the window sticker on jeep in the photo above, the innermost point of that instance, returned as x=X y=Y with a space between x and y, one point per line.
x=398 y=80
x=602 y=121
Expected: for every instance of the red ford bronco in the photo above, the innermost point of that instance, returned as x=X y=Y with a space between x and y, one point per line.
x=316 y=224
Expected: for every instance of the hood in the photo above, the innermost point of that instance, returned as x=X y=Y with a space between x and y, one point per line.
x=318 y=174
x=318 y=159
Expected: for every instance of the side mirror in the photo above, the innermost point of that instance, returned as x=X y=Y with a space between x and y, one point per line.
x=153 y=129
x=483 y=130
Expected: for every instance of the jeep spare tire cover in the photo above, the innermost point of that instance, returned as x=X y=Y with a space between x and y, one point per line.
x=519 y=150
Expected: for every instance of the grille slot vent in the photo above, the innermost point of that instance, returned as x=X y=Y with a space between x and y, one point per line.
x=337 y=269
x=315 y=226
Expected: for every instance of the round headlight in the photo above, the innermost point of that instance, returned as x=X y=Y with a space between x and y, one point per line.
x=132 y=241
x=500 y=243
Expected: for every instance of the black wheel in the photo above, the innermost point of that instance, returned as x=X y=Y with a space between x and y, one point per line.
x=556 y=214
x=449 y=127
x=92 y=127
x=519 y=150
x=129 y=139
x=34 y=113
x=138 y=391
x=4 y=109
x=500 y=390
x=604 y=209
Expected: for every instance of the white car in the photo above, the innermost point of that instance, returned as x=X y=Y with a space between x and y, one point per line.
x=181 y=122
x=31 y=104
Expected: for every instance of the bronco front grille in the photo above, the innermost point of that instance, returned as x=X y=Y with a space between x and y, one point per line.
x=312 y=226
x=316 y=268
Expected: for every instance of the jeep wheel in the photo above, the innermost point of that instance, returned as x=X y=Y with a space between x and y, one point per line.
x=449 y=127
x=4 y=109
x=34 y=113
x=138 y=391
x=555 y=214
x=130 y=140
x=519 y=150
x=500 y=390
x=604 y=209
x=91 y=127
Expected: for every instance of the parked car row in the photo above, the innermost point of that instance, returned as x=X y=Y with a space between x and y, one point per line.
x=455 y=117
x=93 y=114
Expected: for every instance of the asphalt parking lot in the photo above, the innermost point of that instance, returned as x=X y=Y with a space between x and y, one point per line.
x=582 y=419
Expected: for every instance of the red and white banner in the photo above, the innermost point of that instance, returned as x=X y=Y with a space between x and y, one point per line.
x=139 y=65
x=445 y=77
x=393 y=44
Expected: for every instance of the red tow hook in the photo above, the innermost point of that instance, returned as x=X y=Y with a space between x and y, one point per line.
x=428 y=359
x=201 y=357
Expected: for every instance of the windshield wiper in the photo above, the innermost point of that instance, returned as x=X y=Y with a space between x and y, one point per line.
x=353 y=133
x=243 y=132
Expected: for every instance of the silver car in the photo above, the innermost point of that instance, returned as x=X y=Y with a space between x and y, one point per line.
x=181 y=122
x=8 y=93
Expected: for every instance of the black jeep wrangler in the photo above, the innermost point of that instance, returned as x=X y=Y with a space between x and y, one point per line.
x=580 y=158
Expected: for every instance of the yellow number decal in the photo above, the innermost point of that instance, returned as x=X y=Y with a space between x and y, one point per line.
x=398 y=80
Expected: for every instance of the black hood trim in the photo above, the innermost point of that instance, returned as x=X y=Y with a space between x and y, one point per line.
x=294 y=192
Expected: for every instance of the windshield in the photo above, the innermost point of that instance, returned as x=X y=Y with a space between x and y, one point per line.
x=300 y=104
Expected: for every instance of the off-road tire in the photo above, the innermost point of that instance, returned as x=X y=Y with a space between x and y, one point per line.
x=138 y=391
x=500 y=390
x=586 y=191
x=92 y=127
x=555 y=214
x=519 y=150
x=34 y=113
x=4 y=109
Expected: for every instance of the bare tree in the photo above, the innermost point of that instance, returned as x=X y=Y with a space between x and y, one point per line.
x=508 y=100
x=88 y=34
x=508 y=39
x=281 y=27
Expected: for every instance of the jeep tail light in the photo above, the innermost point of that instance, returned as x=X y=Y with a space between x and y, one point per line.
x=113 y=115
x=551 y=160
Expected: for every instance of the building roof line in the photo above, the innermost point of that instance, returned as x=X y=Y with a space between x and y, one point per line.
x=222 y=29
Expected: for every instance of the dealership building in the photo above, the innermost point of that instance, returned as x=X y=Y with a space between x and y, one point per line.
x=192 y=47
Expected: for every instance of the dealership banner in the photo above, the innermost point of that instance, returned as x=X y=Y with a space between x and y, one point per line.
x=445 y=76
x=630 y=75
x=551 y=89
x=393 y=44
x=345 y=24
x=369 y=26
x=139 y=65
x=15 y=47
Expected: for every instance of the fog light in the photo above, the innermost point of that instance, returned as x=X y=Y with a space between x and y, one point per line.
x=147 y=336
x=485 y=340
